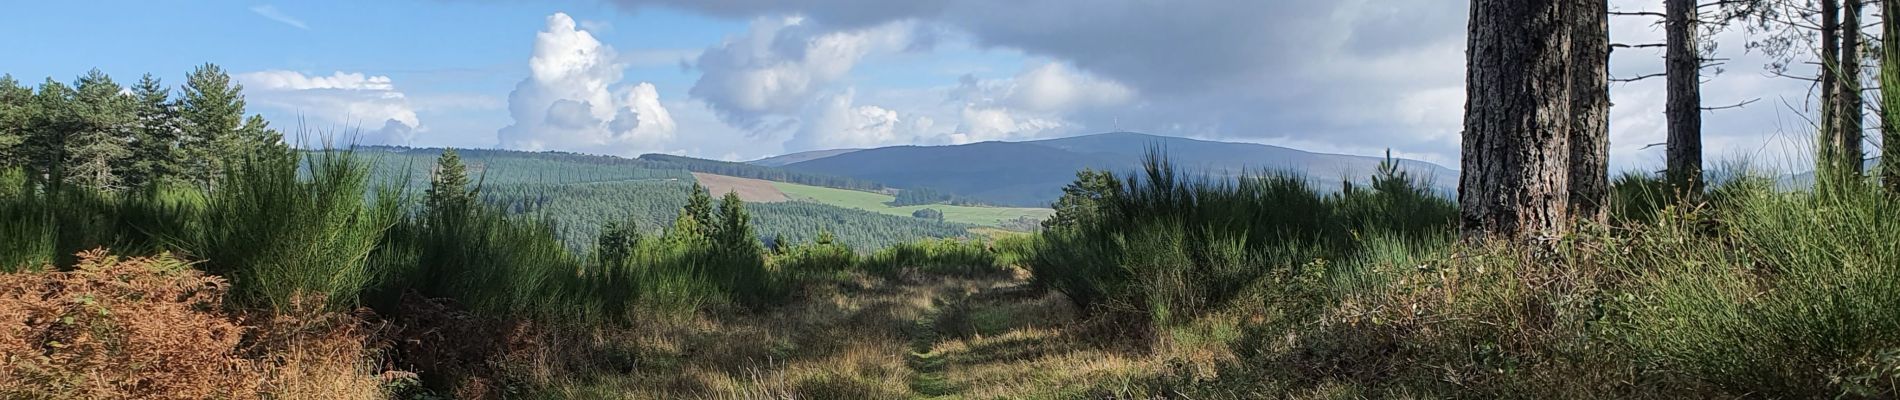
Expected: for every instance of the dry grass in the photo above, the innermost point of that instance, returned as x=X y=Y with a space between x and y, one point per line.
x=919 y=336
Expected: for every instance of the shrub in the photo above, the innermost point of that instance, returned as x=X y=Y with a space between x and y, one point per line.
x=277 y=236
x=1167 y=246
x=120 y=328
x=938 y=256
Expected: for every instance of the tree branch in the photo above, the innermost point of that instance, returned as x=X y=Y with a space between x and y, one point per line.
x=1638 y=14
x=1736 y=105
x=1637 y=78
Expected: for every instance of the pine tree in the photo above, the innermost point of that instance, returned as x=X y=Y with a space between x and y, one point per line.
x=15 y=102
x=51 y=121
x=616 y=241
x=213 y=109
x=1523 y=108
x=448 y=188
x=1081 y=199
x=257 y=137
x=99 y=151
x=1890 y=95
x=155 y=153
x=699 y=207
x=734 y=232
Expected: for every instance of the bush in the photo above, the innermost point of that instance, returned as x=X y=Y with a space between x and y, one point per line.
x=277 y=236
x=940 y=256
x=112 y=328
x=1168 y=247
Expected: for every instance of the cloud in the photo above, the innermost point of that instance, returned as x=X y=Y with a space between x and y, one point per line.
x=835 y=122
x=272 y=13
x=292 y=80
x=371 y=106
x=1352 y=75
x=780 y=64
x=573 y=99
x=1231 y=70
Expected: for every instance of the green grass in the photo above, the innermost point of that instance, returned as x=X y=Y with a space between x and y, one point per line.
x=876 y=202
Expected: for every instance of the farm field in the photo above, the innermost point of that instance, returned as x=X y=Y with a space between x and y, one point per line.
x=876 y=202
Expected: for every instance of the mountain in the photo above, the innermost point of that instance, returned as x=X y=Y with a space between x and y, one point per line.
x=1032 y=173
x=1003 y=173
x=782 y=160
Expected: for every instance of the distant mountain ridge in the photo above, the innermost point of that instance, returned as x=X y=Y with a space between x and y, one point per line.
x=1032 y=173
x=782 y=160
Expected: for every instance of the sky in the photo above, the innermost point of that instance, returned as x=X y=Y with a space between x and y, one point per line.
x=747 y=79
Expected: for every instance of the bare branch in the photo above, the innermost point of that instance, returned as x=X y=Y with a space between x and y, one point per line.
x=1637 y=78
x=1638 y=14
x=1736 y=105
x=1637 y=46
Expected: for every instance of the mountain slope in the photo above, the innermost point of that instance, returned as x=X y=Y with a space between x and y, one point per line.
x=1003 y=173
x=1033 y=173
x=782 y=160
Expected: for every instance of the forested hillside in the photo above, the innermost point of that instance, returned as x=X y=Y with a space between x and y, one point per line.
x=744 y=170
x=580 y=194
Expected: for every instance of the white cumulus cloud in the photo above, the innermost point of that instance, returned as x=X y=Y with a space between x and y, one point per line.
x=573 y=99
x=834 y=122
x=780 y=64
x=369 y=107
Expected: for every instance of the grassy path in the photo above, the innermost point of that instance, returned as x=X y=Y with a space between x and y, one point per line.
x=918 y=337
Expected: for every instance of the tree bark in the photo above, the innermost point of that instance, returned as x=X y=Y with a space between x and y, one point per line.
x=1848 y=138
x=1590 y=102
x=1828 y=154
x=1682 y=64
x=1516 y=144
x=1890 y=95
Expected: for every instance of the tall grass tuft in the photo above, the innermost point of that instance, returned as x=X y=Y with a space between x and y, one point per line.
x=277 y=236
x=1797 y=295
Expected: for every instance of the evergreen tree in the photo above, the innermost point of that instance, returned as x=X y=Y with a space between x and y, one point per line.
x=155 y=152
x=51 y=120
x=699 y=207
x=99 y=151
x=734 y=232
x=686 y=230
x=15 y=102
x=1081 y=200
x=213 y=109
x=257 y=137
x=616 y=242
x=448 y=188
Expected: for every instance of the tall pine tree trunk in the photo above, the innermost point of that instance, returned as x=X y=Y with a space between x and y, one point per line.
x=1682 y=66
x=1890 y=95
x=1849 y=135
x=1516 y=147
x=1828 y=154
x=1590 y=129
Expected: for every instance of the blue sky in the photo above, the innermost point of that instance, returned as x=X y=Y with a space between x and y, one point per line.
x=743 y=79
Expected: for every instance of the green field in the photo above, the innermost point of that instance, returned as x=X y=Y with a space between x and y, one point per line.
x=875 y=202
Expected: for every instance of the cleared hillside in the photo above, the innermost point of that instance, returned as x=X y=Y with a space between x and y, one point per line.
x=749 y=190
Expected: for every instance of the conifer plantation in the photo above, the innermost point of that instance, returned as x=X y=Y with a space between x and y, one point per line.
x=159 y=240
